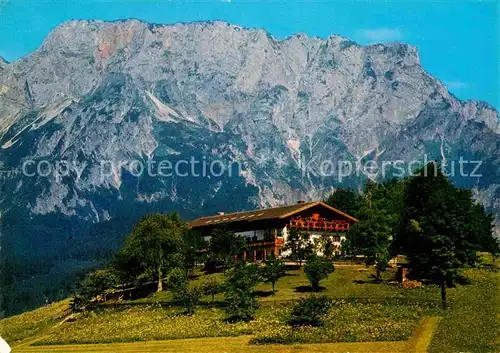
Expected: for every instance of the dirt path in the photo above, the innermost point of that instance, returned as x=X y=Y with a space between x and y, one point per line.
x=421 y=340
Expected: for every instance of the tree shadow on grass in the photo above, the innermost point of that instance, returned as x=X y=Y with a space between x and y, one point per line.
x=370 y=281
x=212 y=269
x=141 y=291
x=462 y=280
x=308 y=289
x=292 y=267
x=264 y=293
x=213 y=304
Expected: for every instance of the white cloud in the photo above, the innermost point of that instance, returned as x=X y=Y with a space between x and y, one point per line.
x=456 y=85
x=378 y=35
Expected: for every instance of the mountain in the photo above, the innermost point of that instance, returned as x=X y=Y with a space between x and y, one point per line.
x=3 y=63
x=101 y=100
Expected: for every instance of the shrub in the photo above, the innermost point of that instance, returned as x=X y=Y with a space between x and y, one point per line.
x=94 y=288
x=243 y=276
x=316 y=269
x=79 y=303
x=177 y=279
x=310 y=311
x=241 y=304
x=188 y=297
x=273 y=271
x=212 y=287
x=98 y=282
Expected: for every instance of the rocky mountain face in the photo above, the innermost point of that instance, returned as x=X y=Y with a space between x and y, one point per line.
x=277 y=120
x=3 y=63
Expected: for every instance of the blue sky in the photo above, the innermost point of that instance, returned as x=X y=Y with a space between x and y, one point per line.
x=458 y=40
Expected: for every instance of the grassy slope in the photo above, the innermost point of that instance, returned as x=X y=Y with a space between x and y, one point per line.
x=346 y=282
x=346 y=322
x=473 y=323
x=32 y=323
x=469 y=325
x=153 y=322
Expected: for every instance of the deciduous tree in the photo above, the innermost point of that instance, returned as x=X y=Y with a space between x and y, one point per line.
x=300 y=245
x=192 y=248
x=212 y=287
x=443 y=227
x=316 y=269
x=241 y=302
x=225 y=245
x=273 y=270
x=155 y=245
x=188 y=297
x=98 y=282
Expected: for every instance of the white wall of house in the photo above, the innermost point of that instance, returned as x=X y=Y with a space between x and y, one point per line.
x=315 y=235
x=260 y=233
x=284 y=233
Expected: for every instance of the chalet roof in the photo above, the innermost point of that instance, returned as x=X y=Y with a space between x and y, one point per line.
x=257 y=215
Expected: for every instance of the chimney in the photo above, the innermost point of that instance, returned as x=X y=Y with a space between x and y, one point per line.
x=220 y=213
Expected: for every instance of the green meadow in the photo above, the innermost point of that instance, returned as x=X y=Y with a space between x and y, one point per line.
x=364 y=310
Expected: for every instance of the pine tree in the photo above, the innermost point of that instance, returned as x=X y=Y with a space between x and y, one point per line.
x=372 y=235
x=345 y=200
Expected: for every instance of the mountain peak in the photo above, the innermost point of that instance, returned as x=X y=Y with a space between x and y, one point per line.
x=212 y=92
x=403 y=52
x=217 y=24
x=3 y=63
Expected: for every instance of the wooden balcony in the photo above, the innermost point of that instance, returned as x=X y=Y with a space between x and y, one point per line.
x=319 y=224
x=276 y=242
